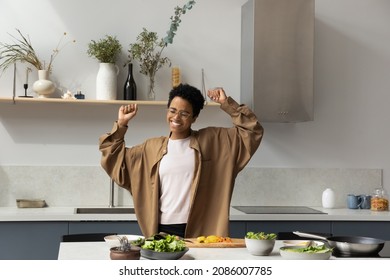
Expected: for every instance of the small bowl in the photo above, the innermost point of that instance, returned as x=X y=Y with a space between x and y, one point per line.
x=133 y=254
x=113 y=240
x=259 y=247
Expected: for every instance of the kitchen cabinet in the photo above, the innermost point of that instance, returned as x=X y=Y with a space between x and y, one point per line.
x=277 y=59
x=289 y=226
x=237 y=229
x=41 y=240
x=118 y=227
x=31 y=240
x=375 y=229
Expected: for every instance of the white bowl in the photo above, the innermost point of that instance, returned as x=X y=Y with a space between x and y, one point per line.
x=113 y=240
x=303 y=255
x=296 y=243
x=259 y=247
x=153 y=255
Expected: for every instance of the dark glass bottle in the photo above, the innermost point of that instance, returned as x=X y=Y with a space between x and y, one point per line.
x=130 y=88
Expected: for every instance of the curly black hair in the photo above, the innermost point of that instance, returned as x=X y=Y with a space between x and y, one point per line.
x=189 y=93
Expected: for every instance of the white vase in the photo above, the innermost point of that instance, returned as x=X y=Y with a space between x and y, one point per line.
x=43 y=86
x=106 y=81
x=328 y=198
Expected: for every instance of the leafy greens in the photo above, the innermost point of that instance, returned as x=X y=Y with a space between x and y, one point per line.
x=169 y=243
x=309 y=249
x=260 y=235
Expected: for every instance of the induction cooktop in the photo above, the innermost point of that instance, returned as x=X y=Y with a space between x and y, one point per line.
x=277 y=210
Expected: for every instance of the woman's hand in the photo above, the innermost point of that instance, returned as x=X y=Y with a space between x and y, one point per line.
x=217 y=95
x=126 y=113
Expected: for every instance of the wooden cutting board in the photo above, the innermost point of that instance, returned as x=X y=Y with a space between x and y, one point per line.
x=236 y=243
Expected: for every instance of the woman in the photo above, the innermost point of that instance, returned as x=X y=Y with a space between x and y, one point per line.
x=182 y=184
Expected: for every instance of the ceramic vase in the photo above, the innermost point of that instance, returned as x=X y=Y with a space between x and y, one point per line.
x=43 y=86
x=328 y=198
x=106 y=81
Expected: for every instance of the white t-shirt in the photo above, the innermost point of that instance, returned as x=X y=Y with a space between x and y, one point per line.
x=176 y=175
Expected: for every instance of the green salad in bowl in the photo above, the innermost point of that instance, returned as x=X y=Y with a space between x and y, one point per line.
x=318 y=251
x=166 y=247
x=260 y=235
x=260 y=243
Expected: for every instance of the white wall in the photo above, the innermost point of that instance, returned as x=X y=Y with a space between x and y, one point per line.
x=352 y=86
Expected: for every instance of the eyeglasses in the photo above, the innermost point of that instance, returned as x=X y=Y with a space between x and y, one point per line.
x=182 y=114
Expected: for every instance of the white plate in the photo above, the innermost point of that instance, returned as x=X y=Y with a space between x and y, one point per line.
x=303 y=255
x=113 y=240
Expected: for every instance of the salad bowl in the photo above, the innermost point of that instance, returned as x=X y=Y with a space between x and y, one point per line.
x=154 y=255
x=316 y=252
x=163 y=247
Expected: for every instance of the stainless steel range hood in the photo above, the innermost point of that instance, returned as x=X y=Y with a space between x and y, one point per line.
x=277 y=49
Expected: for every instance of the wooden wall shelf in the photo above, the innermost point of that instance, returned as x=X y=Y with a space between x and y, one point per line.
x=86 y=101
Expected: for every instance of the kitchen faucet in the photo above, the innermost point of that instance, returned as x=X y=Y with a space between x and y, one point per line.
x=111 y=198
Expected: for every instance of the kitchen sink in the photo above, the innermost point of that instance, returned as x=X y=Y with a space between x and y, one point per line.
x=277 y=210
x=105 y=210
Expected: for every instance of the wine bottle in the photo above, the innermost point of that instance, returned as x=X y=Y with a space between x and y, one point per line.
x=130 y=88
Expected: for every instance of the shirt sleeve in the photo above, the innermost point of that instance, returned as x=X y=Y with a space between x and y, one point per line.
x=246 y=127
x=113 y=149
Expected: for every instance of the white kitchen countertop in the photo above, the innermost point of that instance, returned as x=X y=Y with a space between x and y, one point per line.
x=100 y=251
x=68 y=214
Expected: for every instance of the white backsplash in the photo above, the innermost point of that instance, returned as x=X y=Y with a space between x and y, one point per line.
x=302 y=186
x=59 y=186
x=90 y=186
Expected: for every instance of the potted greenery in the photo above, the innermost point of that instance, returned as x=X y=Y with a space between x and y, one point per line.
x=148 y=48
x=125 y=251
x=106 y=51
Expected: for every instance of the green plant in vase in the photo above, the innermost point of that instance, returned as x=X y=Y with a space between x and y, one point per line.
x=149 y=47
x=106 y=50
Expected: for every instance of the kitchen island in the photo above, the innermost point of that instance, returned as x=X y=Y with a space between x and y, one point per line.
x=100 y=251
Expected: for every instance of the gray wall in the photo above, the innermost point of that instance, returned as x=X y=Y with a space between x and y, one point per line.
x=352 y=86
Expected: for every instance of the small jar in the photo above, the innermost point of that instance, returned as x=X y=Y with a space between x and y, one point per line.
x=379 y=200
x=176 y=76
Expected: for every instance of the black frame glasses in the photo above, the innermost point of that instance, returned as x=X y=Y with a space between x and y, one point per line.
x=184 y=115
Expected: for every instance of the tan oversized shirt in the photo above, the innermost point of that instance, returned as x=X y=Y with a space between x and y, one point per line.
x=220 y=154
